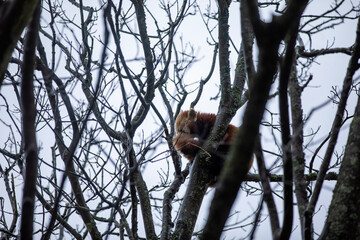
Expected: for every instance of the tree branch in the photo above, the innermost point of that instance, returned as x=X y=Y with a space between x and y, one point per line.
x=29 y=131
x=297 y=144
x=247 y=36
x=265 y=182
x=285 y=70
x=14 y=17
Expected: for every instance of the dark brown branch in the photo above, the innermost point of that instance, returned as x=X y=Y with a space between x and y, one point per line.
x=29 y=132
x=265 y=182
x=257 y=219
x=14 y=16
x=194 y=195
x=285 y=70
x=143 y=194
x=252 y=12
x=247 y=39
x=204 y=81
x=224 y=53
x=150 y=81
x=330 y=176
x=238 y=95
x=320 y=52
x=10 y=189
x=169 y=195
x=297 y=144
x=134 y=207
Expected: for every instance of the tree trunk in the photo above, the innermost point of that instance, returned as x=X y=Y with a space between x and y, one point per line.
x=344 y=213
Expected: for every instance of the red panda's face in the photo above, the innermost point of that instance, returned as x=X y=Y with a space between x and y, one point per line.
x=183 y=121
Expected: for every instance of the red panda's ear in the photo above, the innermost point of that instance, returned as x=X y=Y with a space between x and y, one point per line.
x=192 y=115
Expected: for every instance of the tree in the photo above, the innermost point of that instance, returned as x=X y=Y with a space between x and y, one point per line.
x=87 y=145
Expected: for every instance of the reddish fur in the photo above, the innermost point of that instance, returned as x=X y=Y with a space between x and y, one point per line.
x=192 y=133
x=193 y=128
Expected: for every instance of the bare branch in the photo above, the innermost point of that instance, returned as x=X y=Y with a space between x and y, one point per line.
x=265 y=182
x=28 y=119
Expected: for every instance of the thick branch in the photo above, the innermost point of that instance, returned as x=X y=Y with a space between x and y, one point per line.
x=14 y=16
x=29 y=132
x=297 y=144
x=285 y=70
x=224 y=53
x=247 y=40
x=330 y=176
x=194 y=195
x=167 y=203
x=149 y=95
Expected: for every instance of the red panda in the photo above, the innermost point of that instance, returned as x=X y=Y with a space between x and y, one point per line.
x=193 y=128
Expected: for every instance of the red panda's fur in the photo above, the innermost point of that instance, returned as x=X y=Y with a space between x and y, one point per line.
x=193 y=128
